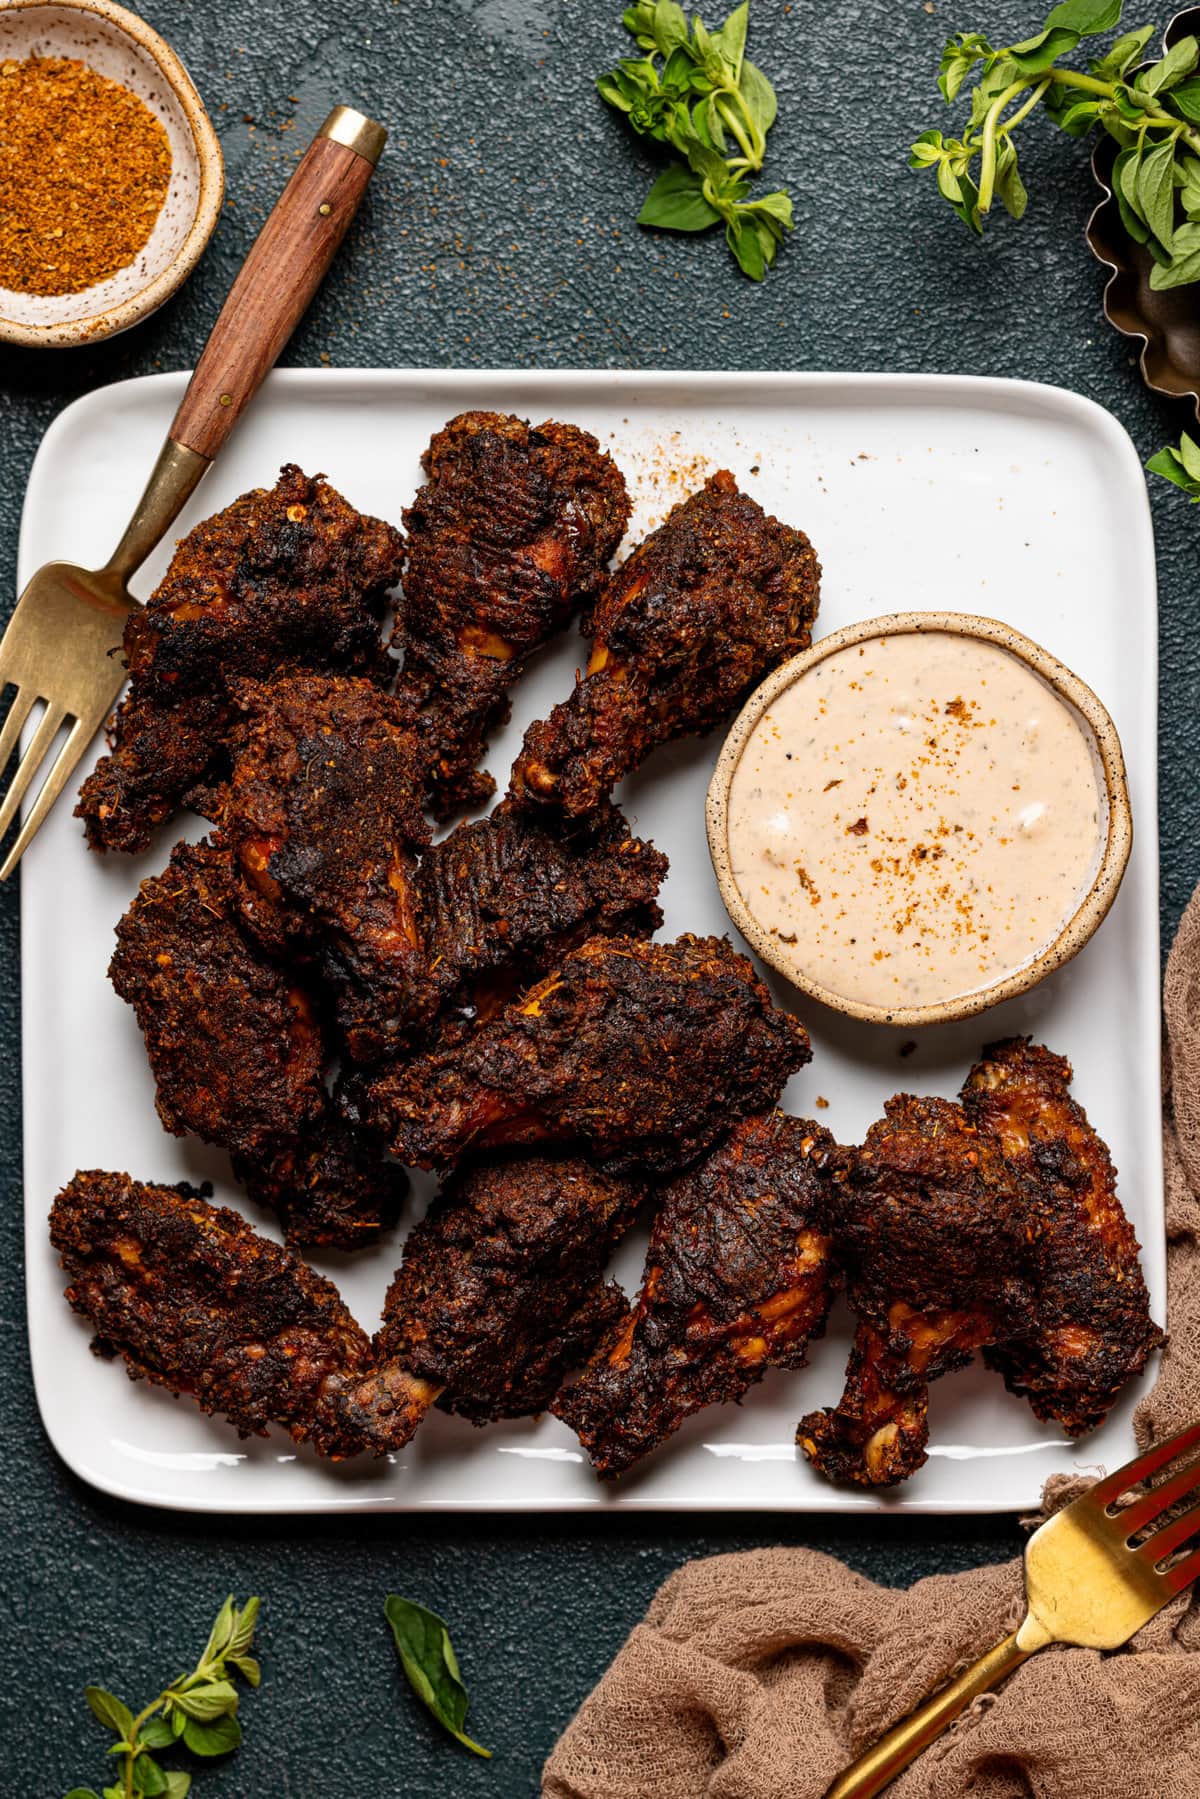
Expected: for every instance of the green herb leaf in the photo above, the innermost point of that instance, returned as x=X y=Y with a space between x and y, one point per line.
x=747 y=247
x=82 y=1793
x=1185 y=100
x=178 y=1784
x=220 y=1634
x=1125 y=53
x=759 y=97
x=215 y=1700
x=110 y=1710
x=1064 y=27
x=1179 y=61
x=246 y=1666
x=1136 y=226
x=1170 y=465
x=1156 y=191
x=730 y=41
x=423 y=1645
x=959 y=57
x=1184 y=266
x=148 y=1777
x=676 y=202
x=1009 y=186
x=245 y=1623
x=214 y=1737
x=156 y=1733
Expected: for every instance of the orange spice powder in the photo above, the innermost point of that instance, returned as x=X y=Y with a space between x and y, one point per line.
x=84 y=171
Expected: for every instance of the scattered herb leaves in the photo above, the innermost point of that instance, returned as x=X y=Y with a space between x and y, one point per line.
x=199 y=1709
x=1180 y=466
x=694 y=92
x=427 y=1657
x=1153 y=113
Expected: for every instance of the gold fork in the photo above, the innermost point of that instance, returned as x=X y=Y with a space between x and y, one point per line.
x=63 y=643
x=1093 y=1577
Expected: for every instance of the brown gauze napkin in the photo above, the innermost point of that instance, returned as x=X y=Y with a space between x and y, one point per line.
x=760 y=1676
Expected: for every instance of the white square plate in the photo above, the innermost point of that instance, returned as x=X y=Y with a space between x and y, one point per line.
x=1018 y=501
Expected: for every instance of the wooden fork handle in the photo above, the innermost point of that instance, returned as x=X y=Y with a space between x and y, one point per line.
x=879 y=1766
x=279 y=278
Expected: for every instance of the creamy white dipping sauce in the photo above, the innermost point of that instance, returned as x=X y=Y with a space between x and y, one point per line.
x=915 y=817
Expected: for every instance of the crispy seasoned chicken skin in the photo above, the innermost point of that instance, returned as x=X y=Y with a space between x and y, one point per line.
x=500 y=1293
x=237 y=1055
x=232 y=1038
x=739 y=1278
x=324 y=820
x=504 y=898
x=643 y=1052
x=327 y=1185
x=1094 y=1330
x=287 y=577
x=930 y=1221
x=513 y=530
x=197 y=1302
x=709 y=603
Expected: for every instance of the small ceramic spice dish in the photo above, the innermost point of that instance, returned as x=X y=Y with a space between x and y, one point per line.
x=1007 y=809
x=123 y=48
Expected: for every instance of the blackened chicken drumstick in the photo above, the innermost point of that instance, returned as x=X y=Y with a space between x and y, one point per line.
x=645 y=1053
x=712 y=601
x=513 y=530
x=739 y=1278
x=288 y=577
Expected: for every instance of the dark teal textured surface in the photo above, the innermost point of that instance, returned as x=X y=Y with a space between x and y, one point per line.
x=499 y=231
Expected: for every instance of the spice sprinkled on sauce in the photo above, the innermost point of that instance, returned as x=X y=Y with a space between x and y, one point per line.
x=84 y=171
x=914 y=818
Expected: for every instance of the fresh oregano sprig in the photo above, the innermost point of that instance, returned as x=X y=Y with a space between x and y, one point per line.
x=198 y=1709
x=1153 y=113
x=696 y=92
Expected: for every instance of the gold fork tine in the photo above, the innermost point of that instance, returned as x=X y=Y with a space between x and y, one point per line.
x=60 y=772
x=1172 y=1536
x=1158 y=1501
x=47 y=729
x=18 y=712
x=1134 y=1473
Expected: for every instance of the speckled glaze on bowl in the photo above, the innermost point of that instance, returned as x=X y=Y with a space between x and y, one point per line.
x=121 y=46
x=1078 y=928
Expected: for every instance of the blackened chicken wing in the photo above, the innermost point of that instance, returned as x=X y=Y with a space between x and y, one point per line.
x=500 y=1293
x=930 y=1222
x=324 y=820
x=237 y=1054
x=643 y=1052
x=712 y=601
x=287 y=577
x=197 y=1302
x=504 y=899
x=1094 y=1331
x=513 y=530
x=739 y=1278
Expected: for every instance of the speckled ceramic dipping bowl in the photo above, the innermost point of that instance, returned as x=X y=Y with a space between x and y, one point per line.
x=1097 y=726
x=121 y=46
